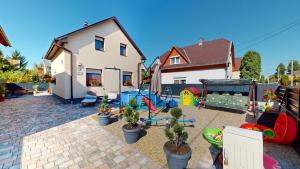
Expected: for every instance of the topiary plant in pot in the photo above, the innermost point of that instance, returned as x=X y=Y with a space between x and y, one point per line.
x=132 y=128
x=177 y=151
x=104 y=114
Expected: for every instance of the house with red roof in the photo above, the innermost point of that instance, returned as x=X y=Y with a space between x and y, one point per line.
x=236 y=69
x=204 y=60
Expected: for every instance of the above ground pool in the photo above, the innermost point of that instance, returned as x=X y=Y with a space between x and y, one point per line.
x=128 y=95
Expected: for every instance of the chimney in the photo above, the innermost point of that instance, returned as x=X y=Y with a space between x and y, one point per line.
x=85 y=24
x=201 y=41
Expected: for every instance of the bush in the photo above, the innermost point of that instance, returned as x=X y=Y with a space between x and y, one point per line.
x=176 y=133
x=131 y=115
x=104 y=106
x=284 y=81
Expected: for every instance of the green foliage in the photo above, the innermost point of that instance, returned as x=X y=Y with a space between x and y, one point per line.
x=131 y=116
x=4 y=64
x=281 y=69
x=296 y=66
x=2 y=88
x=104 y=106
x=250 y=66
x=132 y=103
x=17 y=56
x=284 y=80
x=176 y=133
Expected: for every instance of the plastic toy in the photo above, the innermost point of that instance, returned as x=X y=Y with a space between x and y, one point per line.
x=149 y=104
x=270 y=163
x=189 y=96
x=284 y=130
x=214 y=136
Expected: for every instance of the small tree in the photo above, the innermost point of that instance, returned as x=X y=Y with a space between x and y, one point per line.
x=284 y=81
x=296 y=66
x=250 y=66
x=176 y=133
x=131 y=115
x=280 y=69
x=104 y=106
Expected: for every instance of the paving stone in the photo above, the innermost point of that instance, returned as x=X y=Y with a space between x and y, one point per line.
x=64 y=136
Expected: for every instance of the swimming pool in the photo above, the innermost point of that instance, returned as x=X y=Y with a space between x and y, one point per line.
x=128 y=95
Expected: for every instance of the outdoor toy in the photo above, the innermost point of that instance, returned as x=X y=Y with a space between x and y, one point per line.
x=149 y=104
x=188 y=96
x=214 y=136
x=270 y=163
x=158 y=119
x=284 y=131
x=171 y=104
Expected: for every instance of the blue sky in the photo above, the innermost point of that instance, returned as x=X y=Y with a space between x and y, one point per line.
x=157 y=25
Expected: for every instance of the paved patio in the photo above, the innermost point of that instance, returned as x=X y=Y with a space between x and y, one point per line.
x=42 y=132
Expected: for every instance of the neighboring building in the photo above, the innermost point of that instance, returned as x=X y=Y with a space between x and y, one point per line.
x=3 y=38
x=236 y=69
x=79 y=60
x=205 y=60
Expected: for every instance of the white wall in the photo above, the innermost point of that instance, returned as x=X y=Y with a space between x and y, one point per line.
x=83 y=47
x=60 y=69
x=192 y=77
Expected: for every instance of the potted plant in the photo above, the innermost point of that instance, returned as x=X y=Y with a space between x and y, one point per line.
x=104 y=114
x=132 y=128
x=177 y=151
x=269 y=95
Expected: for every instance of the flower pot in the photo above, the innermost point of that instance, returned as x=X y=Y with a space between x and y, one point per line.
x=177 y=160
x=104 y=119
x=131 y=135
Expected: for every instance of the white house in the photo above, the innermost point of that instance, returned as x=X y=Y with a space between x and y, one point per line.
x=80 y=60
x=205 y=60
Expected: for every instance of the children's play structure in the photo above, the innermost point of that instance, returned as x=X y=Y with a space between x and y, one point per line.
x=284 y=131
x=189 y=96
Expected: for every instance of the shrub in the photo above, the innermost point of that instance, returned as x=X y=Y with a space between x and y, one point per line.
x=284 y=81
x=131 y=115
x=176 y=133
x=104 y=106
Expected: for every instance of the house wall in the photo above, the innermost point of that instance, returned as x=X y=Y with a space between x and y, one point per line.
x=82 y=45
x=60 y=67
x=174 y=53
x=229 y=67
x=192 y=77
x=236 y=75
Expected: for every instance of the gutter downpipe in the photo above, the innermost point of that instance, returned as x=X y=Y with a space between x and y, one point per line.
x=71 y=67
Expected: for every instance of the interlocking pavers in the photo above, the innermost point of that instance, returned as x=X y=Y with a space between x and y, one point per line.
x=41 y=132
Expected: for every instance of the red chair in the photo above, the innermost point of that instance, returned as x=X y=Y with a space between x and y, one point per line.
x=284 y=129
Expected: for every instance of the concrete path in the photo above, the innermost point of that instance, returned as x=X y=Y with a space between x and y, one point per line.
x=41 y=132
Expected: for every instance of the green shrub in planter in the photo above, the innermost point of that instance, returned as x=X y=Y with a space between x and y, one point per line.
x=132 y=128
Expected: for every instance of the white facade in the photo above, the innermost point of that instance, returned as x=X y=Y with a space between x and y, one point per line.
x=85 y=56
x=192 y=77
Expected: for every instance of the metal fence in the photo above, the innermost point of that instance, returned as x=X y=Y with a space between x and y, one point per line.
x=29 y=86
x=176 y=88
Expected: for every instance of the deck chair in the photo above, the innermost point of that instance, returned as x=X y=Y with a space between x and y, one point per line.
x=112 y=97
x=90 y=99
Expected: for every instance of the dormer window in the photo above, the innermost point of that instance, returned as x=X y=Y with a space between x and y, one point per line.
x=174 y=60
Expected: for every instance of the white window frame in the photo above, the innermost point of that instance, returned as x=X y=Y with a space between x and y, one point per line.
x=176 y=60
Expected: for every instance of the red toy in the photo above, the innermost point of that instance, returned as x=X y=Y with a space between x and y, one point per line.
x=149 y=104
x=284 y=129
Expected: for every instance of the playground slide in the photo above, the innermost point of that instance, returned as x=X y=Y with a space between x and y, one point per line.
x=149 y=104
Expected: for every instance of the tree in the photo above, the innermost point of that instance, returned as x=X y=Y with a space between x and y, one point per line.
x=17 y=56
x=4 y=64
x=296 y=66
x=281 y=69
x=251 y=66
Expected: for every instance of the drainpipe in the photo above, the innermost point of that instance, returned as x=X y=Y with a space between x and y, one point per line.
x=71 y=67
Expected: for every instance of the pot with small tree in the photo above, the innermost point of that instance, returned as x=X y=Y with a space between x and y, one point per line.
x=104 y=114
x=132 y=128
x=177 y=151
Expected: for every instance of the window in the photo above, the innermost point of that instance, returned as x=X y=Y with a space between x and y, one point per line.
x=93 y=77
x=174 y=60
x=179 y=80
x=122 y=49
x=127 y=79
x=99 y=43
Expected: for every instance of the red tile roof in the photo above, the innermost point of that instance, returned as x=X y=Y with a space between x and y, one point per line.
x=3 y=39
x=237 y=64
x=209 y=53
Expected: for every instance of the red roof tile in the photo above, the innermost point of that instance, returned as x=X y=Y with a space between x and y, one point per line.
x=209 y=53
